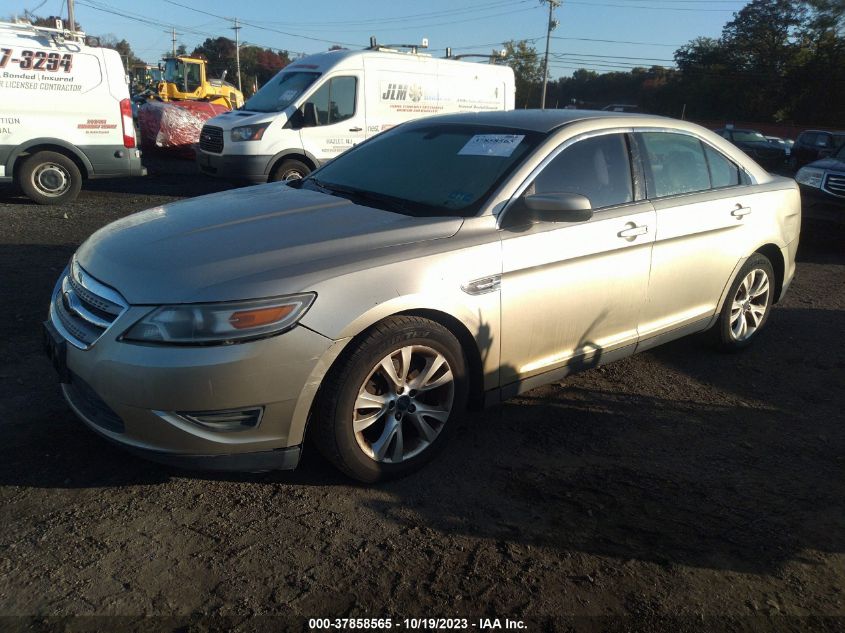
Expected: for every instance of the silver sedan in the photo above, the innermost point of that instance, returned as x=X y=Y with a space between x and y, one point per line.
x=450 y=262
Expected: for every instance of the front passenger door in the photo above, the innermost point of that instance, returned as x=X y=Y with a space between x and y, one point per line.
x=340 y=118
x=572 y=292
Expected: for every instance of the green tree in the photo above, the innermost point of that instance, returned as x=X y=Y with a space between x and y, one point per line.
x=129 y=57
x=527 y=70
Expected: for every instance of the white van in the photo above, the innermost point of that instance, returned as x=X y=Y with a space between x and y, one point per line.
x=321 y=105
x=65 y=114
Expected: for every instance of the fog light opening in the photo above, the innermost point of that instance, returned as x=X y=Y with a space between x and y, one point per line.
x=226 y=421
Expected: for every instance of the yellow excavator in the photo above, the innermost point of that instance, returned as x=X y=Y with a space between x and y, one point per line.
x=185 y=79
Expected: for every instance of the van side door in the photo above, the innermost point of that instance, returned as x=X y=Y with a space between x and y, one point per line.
x=334 y=116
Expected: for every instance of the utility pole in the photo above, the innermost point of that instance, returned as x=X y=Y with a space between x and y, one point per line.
x=173 y=39
x=553 y=4
x=237 y=29
x=71 y=18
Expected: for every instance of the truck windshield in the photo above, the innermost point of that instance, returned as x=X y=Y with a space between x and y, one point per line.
x=174 y=71
x=427 y=170
x=278 y=93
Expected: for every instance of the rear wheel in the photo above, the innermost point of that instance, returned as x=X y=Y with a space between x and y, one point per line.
x=387 y=407
x=50 y=178
x=290 y=169
x=747 y=305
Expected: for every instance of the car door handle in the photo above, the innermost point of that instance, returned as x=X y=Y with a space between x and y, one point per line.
x=740 y=211
x=355 y=129
x=633 y=231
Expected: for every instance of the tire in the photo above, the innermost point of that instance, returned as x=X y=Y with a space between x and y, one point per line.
x=747 y=305
x=289 y=169
x=50 y=178
x=390 y=435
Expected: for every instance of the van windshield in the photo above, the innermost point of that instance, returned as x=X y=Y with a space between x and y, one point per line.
x=278 y=93
x=429 y=170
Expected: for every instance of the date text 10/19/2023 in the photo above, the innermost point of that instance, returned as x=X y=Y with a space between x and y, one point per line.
x=480 y=624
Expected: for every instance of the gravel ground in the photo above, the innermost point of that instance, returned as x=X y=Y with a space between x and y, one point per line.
x=679 y=489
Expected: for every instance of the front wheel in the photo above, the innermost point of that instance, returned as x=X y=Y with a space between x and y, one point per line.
x=50 y=178
x=747 y=305
x=289 y=169
x=387 y=407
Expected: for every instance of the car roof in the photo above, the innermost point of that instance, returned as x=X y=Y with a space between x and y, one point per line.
x=823 y=132
x=542 y=120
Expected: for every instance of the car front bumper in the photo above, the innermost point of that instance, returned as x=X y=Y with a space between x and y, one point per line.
x=253 y=169
x=147 y=398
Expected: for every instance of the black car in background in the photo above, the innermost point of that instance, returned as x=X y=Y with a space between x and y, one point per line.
x=756 y=146
x=823 y=184
x=814 y=144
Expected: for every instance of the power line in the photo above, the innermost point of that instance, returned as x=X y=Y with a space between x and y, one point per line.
x=263 y=28
x=432 y=14
x=653 y=59
x=589 y=39
x=633 y=6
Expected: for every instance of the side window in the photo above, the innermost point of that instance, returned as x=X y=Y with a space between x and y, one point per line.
x=823 y=140
x=335 y=100
x=597 y=168
x=723 y=173
x=192 y=77
x=807 y=138
x=675 y=164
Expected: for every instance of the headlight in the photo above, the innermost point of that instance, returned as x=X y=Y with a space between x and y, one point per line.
x=810 y=177
x=220 y=323
x=249 y=132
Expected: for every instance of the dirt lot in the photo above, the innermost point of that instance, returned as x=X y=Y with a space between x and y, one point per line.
x=680 y=489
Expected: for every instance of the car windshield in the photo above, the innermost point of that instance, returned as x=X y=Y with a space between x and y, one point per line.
x=427 y=170
x=749 y=137
x=278 y=93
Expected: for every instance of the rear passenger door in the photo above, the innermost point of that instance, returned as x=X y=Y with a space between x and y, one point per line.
x=703 y=211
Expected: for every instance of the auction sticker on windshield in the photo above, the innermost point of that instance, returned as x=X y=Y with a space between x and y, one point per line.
x=491 y=145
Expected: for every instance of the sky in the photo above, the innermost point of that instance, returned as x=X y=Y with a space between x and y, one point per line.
x=637 y=32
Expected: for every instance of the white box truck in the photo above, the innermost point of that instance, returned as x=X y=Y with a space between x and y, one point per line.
x=65 y=114
x=321 y=105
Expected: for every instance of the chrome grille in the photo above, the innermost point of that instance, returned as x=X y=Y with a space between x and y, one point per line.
x=82 y=308
x=835 y=184
x=211 y=139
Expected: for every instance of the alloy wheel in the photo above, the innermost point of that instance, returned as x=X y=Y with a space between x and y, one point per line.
x=749 y=305
x=403 y=404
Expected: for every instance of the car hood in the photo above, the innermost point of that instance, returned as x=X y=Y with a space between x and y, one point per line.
x=833 y=164
x=236 y=118
x=249 y=243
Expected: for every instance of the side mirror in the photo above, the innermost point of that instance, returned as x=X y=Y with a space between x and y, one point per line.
x=558 y=207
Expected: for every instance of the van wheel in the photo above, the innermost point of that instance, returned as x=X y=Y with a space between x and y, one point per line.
x=289 y=169
x=50 y=178
x=391 y=402
x=747 y=306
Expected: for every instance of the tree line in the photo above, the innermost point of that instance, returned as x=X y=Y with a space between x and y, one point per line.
x=778 y=61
